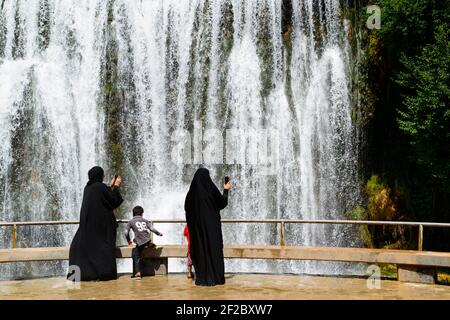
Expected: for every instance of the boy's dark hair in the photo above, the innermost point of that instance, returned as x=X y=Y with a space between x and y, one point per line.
x=138 y=211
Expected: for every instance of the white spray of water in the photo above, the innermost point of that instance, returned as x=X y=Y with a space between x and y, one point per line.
x=180 y=65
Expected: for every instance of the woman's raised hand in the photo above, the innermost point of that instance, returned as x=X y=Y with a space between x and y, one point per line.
x=116 y=182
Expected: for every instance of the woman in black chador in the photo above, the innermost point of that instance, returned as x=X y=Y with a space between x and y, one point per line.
x=93 y=248
x=203 y=204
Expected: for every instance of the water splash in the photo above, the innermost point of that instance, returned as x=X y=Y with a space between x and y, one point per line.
x=80 y=80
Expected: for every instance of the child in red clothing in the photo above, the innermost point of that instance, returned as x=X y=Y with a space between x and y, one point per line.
x=186 y=234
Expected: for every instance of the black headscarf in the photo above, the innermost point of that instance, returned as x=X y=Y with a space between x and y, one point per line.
x=96 y=174
x=202 y=185
x=202 y=205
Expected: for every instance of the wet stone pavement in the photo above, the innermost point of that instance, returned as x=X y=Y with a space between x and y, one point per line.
x=238 y=286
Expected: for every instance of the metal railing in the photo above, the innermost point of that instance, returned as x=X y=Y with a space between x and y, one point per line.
x=281 y=222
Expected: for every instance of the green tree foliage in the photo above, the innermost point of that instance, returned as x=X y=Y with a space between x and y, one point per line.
x=415 y=38
x=410 y=75
x=407 y=138
x=425 y=113
x=405 y=24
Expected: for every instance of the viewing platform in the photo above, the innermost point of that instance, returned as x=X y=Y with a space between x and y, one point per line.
x=416 y=272
x=237 y=287
x=412 y=266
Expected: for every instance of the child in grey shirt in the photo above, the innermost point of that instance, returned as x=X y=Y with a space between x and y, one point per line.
x=141 y=229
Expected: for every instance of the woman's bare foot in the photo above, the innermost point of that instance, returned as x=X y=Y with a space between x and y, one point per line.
x=137 y=276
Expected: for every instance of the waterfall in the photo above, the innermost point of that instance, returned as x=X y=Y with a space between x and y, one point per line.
x=151 y=89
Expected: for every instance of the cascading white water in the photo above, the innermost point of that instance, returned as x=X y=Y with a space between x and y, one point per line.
x=214 y=70
x=51 y=126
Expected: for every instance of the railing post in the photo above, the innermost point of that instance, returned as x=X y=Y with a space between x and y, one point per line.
x=151 y=233
x=282 y=241
x=14 y=236
x=420 y=246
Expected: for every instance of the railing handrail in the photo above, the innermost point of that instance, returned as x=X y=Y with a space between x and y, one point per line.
x=282 y=223
x=276 y=221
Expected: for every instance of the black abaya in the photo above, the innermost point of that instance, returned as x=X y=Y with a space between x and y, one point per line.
x=202 y=205
x=93 y=248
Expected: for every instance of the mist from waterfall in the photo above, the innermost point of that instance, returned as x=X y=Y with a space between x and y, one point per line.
x=141 y=87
